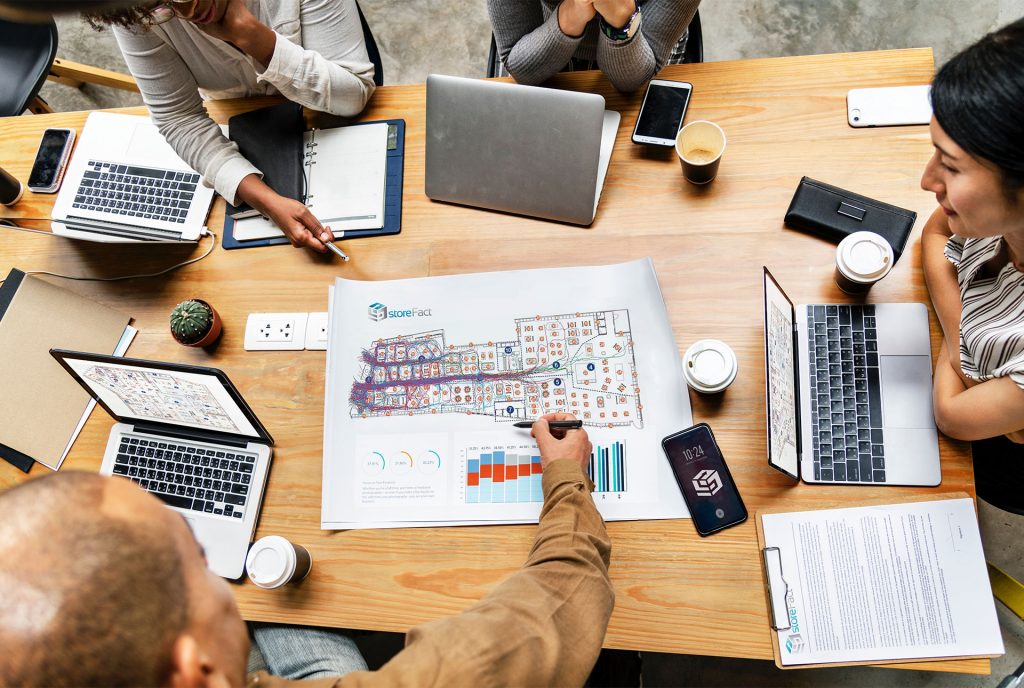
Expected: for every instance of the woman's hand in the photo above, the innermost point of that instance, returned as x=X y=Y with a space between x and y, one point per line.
x=615 y=12
x=238 y=26
x=292 y=217
x=574 y=15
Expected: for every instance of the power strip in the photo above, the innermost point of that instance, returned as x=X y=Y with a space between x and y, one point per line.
x=286 y=332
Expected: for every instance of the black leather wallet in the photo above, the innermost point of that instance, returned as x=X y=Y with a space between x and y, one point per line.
x=271 y=139
x=832 y=213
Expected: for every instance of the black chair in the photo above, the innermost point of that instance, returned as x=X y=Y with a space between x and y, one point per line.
x=371 y=49
x=26 y=53
x=693 y=50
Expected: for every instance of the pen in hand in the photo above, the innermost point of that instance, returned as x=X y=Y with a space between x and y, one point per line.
x=330 y=244
x=553 y=424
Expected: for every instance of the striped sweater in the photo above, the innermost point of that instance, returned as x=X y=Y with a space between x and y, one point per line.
x=992 y=311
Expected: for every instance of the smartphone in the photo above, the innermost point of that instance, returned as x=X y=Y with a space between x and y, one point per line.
x=51 y=159
x=889 y=107
x=662 y=112
x=704 y=479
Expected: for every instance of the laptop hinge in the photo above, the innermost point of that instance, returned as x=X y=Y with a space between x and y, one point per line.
x=796 y=393
x=193 y=434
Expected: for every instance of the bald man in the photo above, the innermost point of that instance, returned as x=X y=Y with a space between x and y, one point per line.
x=101 y=584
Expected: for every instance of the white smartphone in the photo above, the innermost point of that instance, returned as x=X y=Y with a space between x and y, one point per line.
x=51 y=159
x=889 y=107
x=662 y=112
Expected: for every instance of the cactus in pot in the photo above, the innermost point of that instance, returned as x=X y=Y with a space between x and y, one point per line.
x=195 y=323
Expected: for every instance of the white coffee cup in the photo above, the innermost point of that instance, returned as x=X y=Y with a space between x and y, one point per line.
x=862 y=259
x=709 y=366
x=273 y=561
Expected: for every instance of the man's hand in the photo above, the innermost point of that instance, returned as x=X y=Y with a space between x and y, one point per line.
x=292 y=217
x=561 y=444
x=574 y=15
x=615 y=12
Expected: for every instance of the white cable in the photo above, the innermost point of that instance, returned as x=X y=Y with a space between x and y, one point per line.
x=213 y=242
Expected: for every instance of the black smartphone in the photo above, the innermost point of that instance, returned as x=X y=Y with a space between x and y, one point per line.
x=704 y=479
x=51 y=159
x=662 y=112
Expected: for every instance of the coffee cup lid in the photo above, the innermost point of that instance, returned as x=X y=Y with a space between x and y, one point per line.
x=271 y=562
x=709 y=365
x=864 y=256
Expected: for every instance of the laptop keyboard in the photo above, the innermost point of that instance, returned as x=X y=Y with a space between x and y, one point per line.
x=209 y=479
x=846 y=409
x=141 y=192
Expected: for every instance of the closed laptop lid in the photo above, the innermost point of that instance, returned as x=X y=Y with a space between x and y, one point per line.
x=520 y=149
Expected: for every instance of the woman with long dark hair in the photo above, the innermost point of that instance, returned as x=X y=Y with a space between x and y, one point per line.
x=973 y=257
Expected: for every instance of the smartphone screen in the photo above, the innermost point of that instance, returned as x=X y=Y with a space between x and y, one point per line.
x=704 y=479
x=48 y=159
x=662 y=112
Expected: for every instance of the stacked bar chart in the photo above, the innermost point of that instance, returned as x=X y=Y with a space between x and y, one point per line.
x=504 y=476
x=500 y=476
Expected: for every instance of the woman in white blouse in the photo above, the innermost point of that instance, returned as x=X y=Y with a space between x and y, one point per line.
x=973 y=257
x=179 y=51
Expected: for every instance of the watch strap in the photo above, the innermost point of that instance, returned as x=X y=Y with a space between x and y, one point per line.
x=627 y=31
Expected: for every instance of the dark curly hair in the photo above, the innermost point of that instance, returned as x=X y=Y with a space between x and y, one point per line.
x=978 y=98
x=128 y=17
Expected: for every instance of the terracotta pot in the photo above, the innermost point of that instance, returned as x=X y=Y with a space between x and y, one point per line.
x=216 y=327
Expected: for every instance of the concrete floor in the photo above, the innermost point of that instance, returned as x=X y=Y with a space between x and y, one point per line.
x=417 y=37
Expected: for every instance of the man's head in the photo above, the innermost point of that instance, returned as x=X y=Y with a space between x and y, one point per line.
x=103 y=585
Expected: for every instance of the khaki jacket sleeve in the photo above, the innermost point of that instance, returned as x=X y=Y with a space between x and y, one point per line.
x=542 y=626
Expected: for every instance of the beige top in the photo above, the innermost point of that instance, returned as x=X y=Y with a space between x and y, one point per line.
x=319 y=61
x=543 y=626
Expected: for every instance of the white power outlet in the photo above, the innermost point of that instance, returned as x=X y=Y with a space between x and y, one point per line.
x=316 y=332
x=275 y=331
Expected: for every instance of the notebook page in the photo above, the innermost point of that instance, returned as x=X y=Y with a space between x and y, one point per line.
x=347 y=170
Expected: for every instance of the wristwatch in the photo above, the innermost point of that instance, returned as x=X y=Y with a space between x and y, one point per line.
x=627 y=31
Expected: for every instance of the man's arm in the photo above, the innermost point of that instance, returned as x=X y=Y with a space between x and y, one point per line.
x=534 y=49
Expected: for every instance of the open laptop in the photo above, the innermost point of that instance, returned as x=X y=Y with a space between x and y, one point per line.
x=126 y=184
x=849 y=391
x=185 y=435
x=520 y=149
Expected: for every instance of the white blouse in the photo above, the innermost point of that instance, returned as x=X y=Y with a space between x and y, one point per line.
x=992 y=311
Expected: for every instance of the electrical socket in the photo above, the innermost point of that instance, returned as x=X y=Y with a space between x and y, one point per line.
x=316 y=332
x=275 y=331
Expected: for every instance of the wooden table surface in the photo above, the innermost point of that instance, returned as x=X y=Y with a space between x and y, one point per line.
x=676 y=592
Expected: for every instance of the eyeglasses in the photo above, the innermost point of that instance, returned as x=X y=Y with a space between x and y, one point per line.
x=163 y=12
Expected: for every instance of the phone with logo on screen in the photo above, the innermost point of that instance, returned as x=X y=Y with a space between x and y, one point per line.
x=662 y=112
x=704 y=479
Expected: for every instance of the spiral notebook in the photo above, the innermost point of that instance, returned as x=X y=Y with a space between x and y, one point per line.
x=345 y=172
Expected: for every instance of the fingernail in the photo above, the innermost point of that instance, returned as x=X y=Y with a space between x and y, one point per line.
x=323 y=236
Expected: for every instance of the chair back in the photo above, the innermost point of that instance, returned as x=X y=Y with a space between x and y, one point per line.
x=26 y=53
x=371 y=49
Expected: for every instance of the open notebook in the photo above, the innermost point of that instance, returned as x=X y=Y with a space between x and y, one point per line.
x=345 y=172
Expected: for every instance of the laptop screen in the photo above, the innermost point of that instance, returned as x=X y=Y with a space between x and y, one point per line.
x=780 y=378
x=169 y=394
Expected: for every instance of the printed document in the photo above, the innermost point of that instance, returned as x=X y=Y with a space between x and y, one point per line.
x=894 y=582
x=425 y=378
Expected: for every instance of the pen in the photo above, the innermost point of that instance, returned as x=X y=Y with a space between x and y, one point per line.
x=330 y=245
x=553 y=424
x=246 y=214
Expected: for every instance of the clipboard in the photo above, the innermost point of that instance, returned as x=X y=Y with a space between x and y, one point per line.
x=392 y=197
x=776 y=587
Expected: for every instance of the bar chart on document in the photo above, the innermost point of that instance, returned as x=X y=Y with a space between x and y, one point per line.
x=513 y=473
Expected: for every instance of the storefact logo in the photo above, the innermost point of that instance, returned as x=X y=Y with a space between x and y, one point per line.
x=795 y=643
x=378 y=311
x=707 y=482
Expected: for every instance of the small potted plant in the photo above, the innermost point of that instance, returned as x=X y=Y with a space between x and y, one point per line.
x=195 y=323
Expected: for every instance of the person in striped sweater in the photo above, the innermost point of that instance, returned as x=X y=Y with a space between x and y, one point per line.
x=973 y=257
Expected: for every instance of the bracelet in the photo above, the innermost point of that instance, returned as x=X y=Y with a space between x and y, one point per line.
x=627 y=31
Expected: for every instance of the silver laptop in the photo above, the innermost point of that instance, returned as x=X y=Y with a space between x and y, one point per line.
x=126 y=184
x=849 y=391
x=185 y=435
x=520 y=149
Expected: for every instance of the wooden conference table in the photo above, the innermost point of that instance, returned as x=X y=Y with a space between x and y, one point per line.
x=676 y=592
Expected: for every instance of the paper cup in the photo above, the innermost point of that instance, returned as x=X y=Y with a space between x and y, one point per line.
x=274 y=562
x=700 y=146
x=709 y=366
x=862 y=259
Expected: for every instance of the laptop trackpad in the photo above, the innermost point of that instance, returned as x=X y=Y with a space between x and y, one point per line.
x=906 y=391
